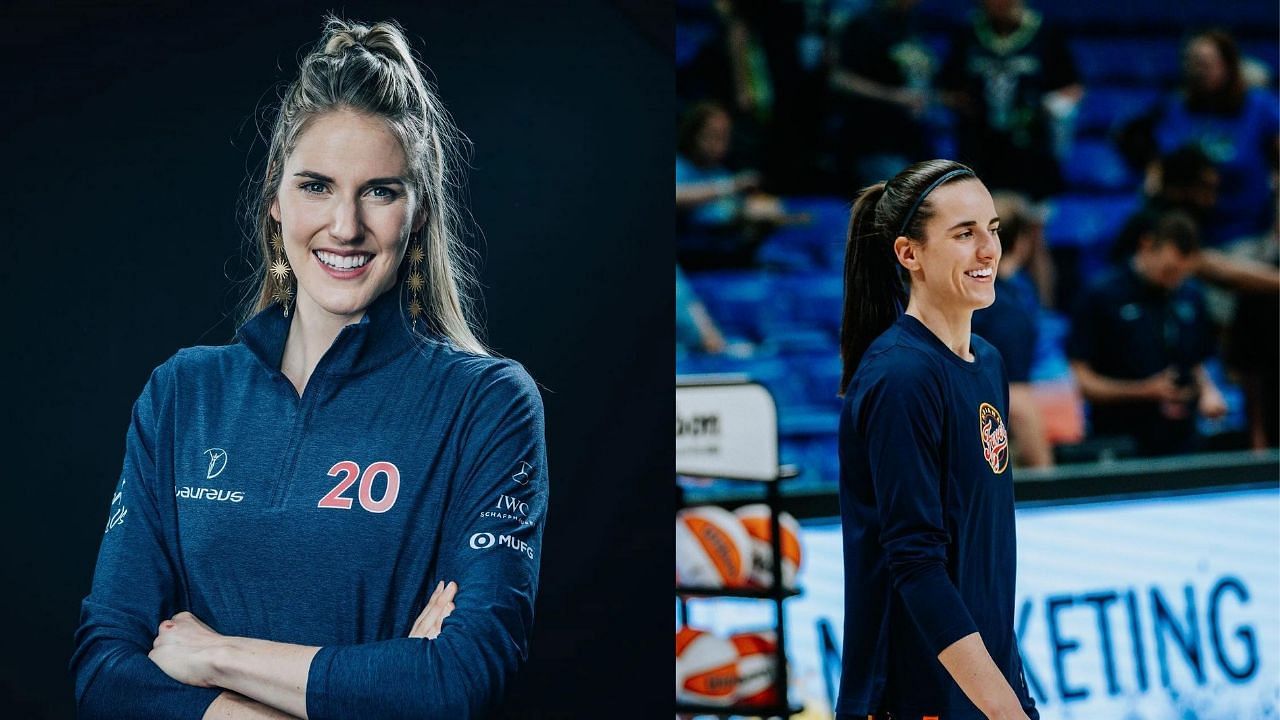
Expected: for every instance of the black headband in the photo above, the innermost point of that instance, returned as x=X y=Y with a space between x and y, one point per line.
x=932 y=186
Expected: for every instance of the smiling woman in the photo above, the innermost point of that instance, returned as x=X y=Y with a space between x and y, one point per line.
x=303 y=525
x=926 y=491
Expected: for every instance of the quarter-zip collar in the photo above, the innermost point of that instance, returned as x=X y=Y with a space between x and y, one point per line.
x=379 y=336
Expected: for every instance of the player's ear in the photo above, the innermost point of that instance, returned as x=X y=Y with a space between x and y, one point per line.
x=905 y=250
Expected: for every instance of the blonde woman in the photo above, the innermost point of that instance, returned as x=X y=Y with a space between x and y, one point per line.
x=340 y=514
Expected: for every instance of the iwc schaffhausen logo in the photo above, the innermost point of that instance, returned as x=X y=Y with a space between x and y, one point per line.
x=995 y=439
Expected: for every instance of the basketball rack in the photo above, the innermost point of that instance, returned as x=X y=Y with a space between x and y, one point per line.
x=740 y=443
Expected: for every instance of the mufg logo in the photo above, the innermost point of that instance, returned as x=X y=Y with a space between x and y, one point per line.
x=484 y=541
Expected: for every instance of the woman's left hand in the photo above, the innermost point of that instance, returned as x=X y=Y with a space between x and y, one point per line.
x=184 y=649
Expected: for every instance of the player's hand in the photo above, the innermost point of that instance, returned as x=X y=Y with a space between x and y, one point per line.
x=184 y=649
x=439 y=606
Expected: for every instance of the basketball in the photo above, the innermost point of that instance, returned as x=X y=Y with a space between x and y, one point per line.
x=757 y=667
x=712 y=548
x=706 y=668
x=755 y=520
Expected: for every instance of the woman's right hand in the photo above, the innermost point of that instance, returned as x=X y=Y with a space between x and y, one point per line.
x=439 y=606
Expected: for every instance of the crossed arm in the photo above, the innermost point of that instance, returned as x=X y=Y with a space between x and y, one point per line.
x=260 y=678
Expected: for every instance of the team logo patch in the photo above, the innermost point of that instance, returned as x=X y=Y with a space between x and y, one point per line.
x=995 y=439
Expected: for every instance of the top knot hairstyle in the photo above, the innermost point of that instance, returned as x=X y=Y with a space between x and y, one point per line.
x=875 y=293
x=371 y=69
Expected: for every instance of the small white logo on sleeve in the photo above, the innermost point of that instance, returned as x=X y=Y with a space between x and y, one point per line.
x=522 y=475
x=484 y=541
x=116 y=518
x=217 y=462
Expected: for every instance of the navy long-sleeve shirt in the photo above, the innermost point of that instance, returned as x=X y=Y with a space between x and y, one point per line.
x=324 y=520
x=926 y=495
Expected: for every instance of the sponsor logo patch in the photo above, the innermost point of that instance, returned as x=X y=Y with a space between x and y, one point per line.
x=204 y=493
x=484 y=541
x=521 y=475
x=217 y=462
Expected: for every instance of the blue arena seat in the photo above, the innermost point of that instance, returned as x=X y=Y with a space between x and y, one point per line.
x=810 y=300
x=736 y=299
x=1049 y=362
x=1107 y=107
x=1138 y=15
x=1094 y=164
x=776 y=373
x=816 y=411
x=821 y=377
x=818 y=457
x=787 y=340
x=807 y=246
x=782 y=253
x=807 y=421
x=690 y=37
x=1088 y=221
x=1154 y=62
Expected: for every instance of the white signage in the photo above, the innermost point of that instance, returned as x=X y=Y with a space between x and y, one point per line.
x=726 y=431
x=1124 y=610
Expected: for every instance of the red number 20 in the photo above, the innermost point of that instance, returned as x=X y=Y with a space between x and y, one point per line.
x=334 y=498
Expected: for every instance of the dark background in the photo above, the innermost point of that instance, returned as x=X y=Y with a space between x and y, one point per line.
x=127 y=134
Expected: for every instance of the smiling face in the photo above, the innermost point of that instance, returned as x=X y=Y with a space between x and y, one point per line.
x=955 y=267
x=346 y=212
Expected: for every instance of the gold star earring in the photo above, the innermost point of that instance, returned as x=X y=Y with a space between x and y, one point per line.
x=415 y=281
x=281 y=274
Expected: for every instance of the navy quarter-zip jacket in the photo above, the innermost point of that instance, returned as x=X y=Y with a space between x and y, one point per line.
x=926 y=499
x=324 y=520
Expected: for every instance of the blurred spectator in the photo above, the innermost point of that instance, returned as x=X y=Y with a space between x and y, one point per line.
x=709 y=196
x=1008 y=76
x=719 y=222
x=1237 y=127
x=1183 y=179
x=695 y=330
x=882 y=77
x=1138 y=342
x=1253 y=350
x=1010 y=324
x=1036 y=277
x=733 y=70
x=1187 y=180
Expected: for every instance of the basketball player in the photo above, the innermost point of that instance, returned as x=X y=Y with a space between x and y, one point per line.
x=926 y=491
